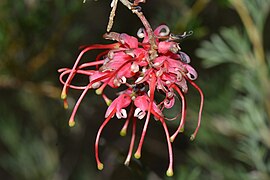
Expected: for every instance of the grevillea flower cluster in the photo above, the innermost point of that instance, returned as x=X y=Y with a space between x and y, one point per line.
x=142 y=71
x=127 y=63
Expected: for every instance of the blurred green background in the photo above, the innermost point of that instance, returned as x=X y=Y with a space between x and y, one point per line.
x=229 y=49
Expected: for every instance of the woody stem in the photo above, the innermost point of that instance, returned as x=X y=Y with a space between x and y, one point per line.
x=152 y=39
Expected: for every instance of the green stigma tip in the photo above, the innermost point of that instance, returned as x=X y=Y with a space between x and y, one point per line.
x=192 y=137
x=71 y=123
x=123 y=133
x=98 y=91
x=169 y=172
x=63 y=96
x=182 y=129
x=137 y=155
x=100 y=166
x=109 y=102
x=65 y=106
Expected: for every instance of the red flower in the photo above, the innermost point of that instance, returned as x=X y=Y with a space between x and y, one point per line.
x=128 y=63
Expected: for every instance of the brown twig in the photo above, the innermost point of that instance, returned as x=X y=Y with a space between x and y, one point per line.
x=112 y=14
x=132 y=7
x=252 y=30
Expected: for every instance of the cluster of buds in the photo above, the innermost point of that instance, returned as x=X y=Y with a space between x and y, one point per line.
x=142 y=71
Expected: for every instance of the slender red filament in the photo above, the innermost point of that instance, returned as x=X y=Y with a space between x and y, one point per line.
x=71 y=119
x=127 y=161
x=152 y=90
x=170 y=167
x=99 y=164
x=183 y=117
x=84 y=72
x=200 y=111
x=89 y=64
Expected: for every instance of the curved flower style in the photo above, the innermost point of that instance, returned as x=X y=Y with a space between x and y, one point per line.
x=128 y=63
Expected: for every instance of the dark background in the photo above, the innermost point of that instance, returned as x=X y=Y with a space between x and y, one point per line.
x=39 y=37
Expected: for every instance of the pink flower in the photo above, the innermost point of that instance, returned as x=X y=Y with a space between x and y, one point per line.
x=128 y=63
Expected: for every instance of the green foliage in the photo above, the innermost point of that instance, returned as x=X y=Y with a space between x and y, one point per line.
x=258 y=10
x=248 y=120
x=230 y=47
